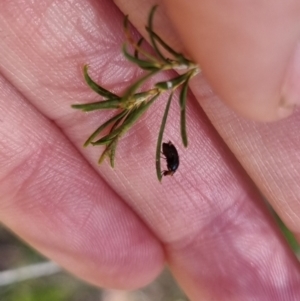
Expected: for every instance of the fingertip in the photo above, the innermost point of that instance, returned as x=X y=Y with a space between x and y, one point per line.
x=243 y=50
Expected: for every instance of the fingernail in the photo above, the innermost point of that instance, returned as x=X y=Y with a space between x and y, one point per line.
x=290 y=93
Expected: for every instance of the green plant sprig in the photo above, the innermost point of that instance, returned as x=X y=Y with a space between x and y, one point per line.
x=133 y=103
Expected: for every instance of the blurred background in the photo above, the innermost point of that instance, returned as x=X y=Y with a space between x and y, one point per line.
x=27 y=276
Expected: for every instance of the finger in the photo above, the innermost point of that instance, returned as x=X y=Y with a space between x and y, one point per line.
x=269 y=153
x=248 y=51
x=271 y=146
x=208 y=209
x=52 y=199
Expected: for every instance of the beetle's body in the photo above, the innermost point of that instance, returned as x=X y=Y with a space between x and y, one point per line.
x=172 y=158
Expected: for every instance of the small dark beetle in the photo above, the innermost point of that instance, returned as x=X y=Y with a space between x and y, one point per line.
x=172 y=158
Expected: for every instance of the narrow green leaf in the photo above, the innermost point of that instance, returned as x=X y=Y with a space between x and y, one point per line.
x=136 y=46
x=104 y=125
x=103 y=155
x=112 y=152
x=152 y=38
x=131 y=90
x=128 y=122
x=289 y=236
x=160 y=137
x=183 y=127
x=103 y=141
x=164 y=86
x=183 y=94
x=112 y=138
x=99 y=105
x=107 y=138
x=139 y=111
x=172 y=83
x=116 y=131
x=129 y=115
x=141 y=97
x=180 y=57
x=182 y=103
x=143 y=64
x=115 y=125
x=109 y=151
x=162 y=43
x=95 y=87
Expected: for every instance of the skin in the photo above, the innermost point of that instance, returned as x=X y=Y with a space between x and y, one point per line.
x=118 y=228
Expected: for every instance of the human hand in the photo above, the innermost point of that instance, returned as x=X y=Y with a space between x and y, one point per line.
x=248 y=51
x=117 y=228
